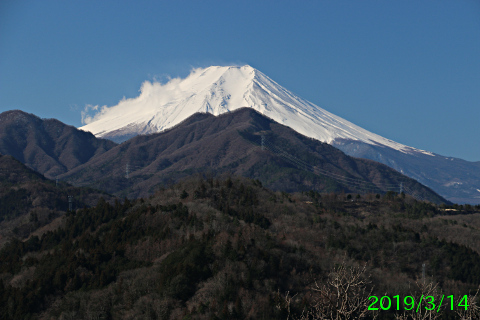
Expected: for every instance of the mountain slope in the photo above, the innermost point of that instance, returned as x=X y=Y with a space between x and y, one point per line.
x=217 y=90
x=231 y=249
x=456 y=179
x=28 y=200
x=231 y=143
x=47 y=145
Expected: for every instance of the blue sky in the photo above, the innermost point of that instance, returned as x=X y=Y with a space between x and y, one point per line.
x=407 y=70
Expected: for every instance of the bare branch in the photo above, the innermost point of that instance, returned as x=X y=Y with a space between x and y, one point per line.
x=344 y=295
x=472 y=311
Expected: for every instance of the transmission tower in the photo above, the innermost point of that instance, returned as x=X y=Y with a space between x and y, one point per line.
x=263 y=142
x=70 y=199
x=127 y=171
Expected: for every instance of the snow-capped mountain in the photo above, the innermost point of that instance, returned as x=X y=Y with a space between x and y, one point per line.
x=218 y=90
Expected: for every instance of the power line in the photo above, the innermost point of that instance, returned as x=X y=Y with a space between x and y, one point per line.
x=358 y=183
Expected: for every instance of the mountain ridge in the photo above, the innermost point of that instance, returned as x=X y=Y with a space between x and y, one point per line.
x=218 y=90
x=224 y=89
x=47 y=145
x=28 y=200
x=456 y=179
x=230 y=143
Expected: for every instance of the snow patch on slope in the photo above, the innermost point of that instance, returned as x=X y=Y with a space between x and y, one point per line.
x=217 y=90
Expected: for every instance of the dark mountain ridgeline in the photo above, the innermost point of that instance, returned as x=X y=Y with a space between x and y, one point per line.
x=228 y=144
x=28 y=200
x=47 y=145
x=455 y=179
x=231 y=144
x=214 y=248
x=222 y=89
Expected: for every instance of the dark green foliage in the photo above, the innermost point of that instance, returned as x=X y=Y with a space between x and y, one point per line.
x=464 y=263
x=184 y=194
x=183 y=269
x=390 y=195
x=403 y=250
x=225 y=251
x=99 y=256
x=13 y=203
x=236 y=200
x=420 y=209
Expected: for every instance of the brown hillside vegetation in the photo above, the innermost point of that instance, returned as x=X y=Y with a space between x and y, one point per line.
x=47 y=145
x=209 y=248
x=231 y=143
x=29 y=201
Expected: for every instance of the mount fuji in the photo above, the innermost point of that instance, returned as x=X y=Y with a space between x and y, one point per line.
x=217 y=90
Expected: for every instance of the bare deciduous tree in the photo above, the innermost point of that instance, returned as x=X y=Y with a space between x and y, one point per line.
x=427 y=296
x=472 y=312
x=343 y=296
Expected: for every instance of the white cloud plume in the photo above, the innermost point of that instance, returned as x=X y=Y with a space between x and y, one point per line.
x=87 y=117
x=152 y=95
x=154 y=101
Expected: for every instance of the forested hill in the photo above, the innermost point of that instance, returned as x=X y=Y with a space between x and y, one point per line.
x=47 y=145
x=244 y=143
x=230 y=249
x=28 y=200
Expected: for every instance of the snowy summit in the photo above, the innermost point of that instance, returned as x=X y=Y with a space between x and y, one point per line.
x=217 y=90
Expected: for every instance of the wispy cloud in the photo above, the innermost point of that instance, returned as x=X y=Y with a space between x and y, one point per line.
x=153 y=95
x=87 y=115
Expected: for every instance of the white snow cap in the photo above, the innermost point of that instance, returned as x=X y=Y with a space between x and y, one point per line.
x=217 y=90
